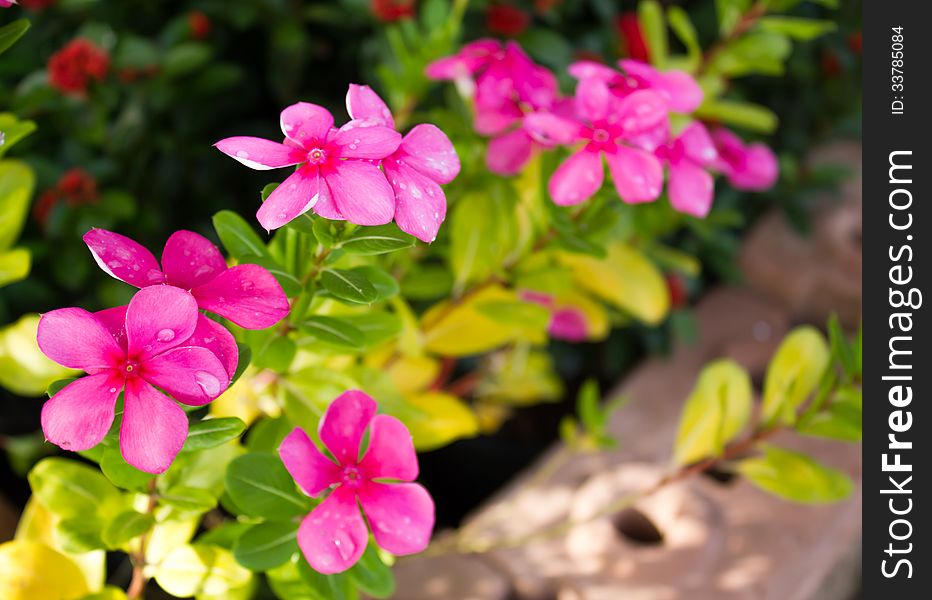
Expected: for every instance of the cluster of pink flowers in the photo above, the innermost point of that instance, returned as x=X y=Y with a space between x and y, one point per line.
x=160 y=340
x=339 y=174
x=621 y=116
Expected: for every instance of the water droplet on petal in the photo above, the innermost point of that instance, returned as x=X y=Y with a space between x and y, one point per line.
x=209 y=384
x=165 y=335
x=154 y=275
x=242 y=154
x=344 y=544
x=113 y=390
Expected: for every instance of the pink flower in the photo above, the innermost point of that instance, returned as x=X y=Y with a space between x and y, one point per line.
x=7 y=3
x=678 y=88
x=149 y=343
x=424 y=160
x=748 y=167
x=334 y=535
x=690 y=186
x=336 y=177
x=566 y=323
x=246 y=294
x=609 y=121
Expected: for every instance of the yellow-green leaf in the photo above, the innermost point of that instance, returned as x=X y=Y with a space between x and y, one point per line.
x=795 y=476
x=439 y=419
x=794 y=373
x=194 y=569
x=32 y=570
x=16 y=184
x=24 y=369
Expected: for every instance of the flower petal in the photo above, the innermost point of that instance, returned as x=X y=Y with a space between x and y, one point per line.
x=682 y=91
x=697 y=144
x=257 y=153
x=123 y=259
x=159 y=318
x=190 y=260
x=189 y=374
x=216 y=338
x=508 y=153
x=343 y=424
x=294 y=197
x=80 y=414
x=690 y=188
x=549 y=128
x=363 y=103
x=587 y=69
x=638 y=175
x=324 y=206
x=420 y=205
x=333 y=536
x=114 y=319
x=431 y=152
x=305 y=122
x=76 y=339
x=568 y=324
x=593 y=99
x=154 y=428
x=401 y=515
x=577 y=179
x=391 y=451
x=759 y=171
x=361 y=193
x=471 y=57
x=641 y=111
x=308 y=466
x=362 y=139
x=246 y=294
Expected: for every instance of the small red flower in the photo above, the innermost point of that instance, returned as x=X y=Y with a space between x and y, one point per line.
x=544 y=6
x=199 y=24
x=44 y=206
x=389 y=11
x=77 y=64
x=507 y=20
x=74 y=187
x=855 y=42
x=632 y=38
x=677 y=289
x=36 y=5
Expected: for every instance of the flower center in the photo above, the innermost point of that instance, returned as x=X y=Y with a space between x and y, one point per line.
x=352 y=477
x=317 y=156
x=130 y=368
x=600 y=135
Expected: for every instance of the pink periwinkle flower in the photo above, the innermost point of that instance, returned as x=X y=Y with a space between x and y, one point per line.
x=246 y=294
x=424 y=160
x=338 y=174
x=7 y=3
x=334 y=535
x=566 y=322
x=609 y=126
x=751 y=167
x=678 y=88
x=691 y=186
x=150 y=343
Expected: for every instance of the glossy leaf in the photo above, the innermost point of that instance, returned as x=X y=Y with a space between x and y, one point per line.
x=267 y=545
x=795 y=476
x=261 y=487
x=213 y=432
x=126 y=526
x=793 y=374
x=377 y=240
x=349 y=285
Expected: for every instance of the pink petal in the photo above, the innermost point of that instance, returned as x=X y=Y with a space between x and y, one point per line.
x=638 y=175
x=361 y=193
x=79 y=415
x=246 y=294
x=759 y=171
x=154 y=428
x=682 y=92
x=362 y=139
x=391 y=451
x=401 y=515
x=587 y=69
x=420 y=205
x=363 y=103
x=294 y=197
x=697 y=144
x=122 y=258
x=690 y=188
x=325 y=206
x=189 y=374
x=493 y=120
x=333 y=536
x=568 y=324
x=114 y=319
x=448 y=68
x=159 y=318
x=549 y=128
x=216 y=338
x=467 y=61
x=431 y=152
x=343 y=424
x=311 y=470
x=577 y=179
x=641 y=111
x=257 y=153
x=508 y=153
x=304 y=123
x=190 y=260
x=76 y=339
x=593 y=99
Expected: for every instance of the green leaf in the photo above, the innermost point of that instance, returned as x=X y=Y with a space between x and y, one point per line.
x=372 y=576
x=17 y=182
x=80 y=534
x=740 y=114
x=188 y=499
x=11 y=32
x=213 y=432
x=650 y=16
x=261 y=487
x=120 y=473
x=795 y=476
x=333 y=331
x=729 y=14
x=385 y=285
x=186 y=58
x=793 y=374
x=324 y=232
x=842 y=352
x=71 y=489
x=126 y=526
x=267 y=545
x=239 y=239
x=520 y=314
x=427 y=282
x=245 y=358
x=276 y=354
x=378 y=240
x=483 y=229
x=840 y=420
x=376 y=327
x=715 y=412
x=14 y=265
x=13 y=130
x=796 y=27
x=349 y=285
x=290 y=284
x=327 y=587
x=761 y=52
x=683 y=27
x=196 y=569
x=588 y=406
